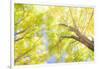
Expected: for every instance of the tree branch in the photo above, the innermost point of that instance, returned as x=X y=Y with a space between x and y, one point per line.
x=79 y=37
x=22 y=55
x=74 y=23
x=88 y=22
x=19 y=57
x=84 y=40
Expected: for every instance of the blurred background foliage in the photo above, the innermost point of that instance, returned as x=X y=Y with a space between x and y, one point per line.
x=37 y=34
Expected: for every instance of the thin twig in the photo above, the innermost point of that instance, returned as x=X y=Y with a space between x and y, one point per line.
x=88 y=22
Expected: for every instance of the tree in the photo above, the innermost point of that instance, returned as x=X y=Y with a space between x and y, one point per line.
x=53 y=34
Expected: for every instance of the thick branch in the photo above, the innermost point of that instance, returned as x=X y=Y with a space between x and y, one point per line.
x=84 y=40
x=79 y=36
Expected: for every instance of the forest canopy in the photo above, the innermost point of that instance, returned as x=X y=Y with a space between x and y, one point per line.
x=53 y=34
